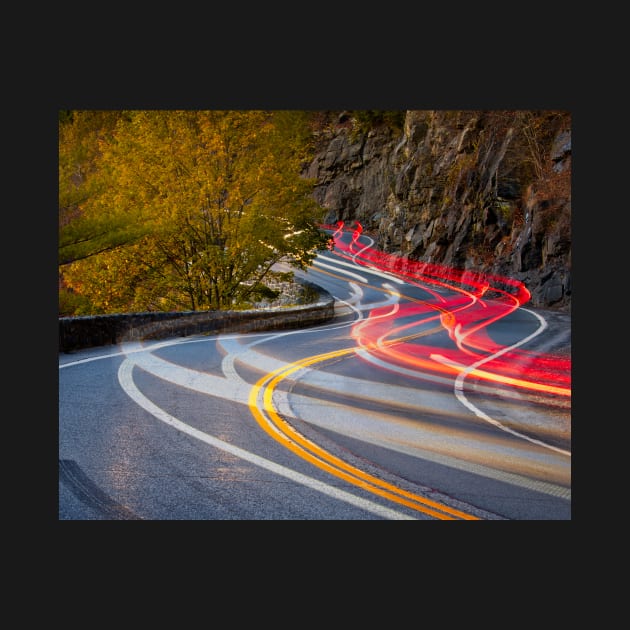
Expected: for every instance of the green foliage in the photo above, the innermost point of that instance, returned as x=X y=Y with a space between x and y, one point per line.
x=503 y=209
x=194 y=208
x=83 y=229
x=310 y=294
x=72 y=304
x=261 y=291
x=65 y=116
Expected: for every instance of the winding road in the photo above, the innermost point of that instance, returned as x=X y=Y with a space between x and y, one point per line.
x=432 y=395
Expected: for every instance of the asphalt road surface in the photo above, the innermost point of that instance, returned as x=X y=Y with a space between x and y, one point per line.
x=427 y=397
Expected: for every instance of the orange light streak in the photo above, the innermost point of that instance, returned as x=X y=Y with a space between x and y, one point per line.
x=479 y=301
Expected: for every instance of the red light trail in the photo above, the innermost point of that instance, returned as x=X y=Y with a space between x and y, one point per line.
x=401 y=336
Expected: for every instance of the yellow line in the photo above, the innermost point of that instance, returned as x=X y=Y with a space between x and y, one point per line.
x=284 y=433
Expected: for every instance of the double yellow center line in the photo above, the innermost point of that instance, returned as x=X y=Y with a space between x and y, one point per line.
x=261 y=405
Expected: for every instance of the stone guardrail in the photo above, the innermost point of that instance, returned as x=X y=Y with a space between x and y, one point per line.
x=99 y=330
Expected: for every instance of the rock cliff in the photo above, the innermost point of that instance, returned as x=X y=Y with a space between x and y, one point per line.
x=486 y=191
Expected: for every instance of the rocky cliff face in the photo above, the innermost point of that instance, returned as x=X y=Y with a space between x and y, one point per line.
x=486 y=191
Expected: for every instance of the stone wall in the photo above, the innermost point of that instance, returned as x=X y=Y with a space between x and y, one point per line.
x=85 y=332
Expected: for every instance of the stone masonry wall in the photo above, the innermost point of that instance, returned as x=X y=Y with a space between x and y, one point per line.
x=99 y=330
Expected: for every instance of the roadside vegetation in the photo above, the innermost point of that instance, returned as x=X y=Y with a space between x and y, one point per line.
x=181 y=210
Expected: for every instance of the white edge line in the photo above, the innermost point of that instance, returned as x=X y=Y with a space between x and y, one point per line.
x=459 y=385
x=126 y=381
x=317 y=263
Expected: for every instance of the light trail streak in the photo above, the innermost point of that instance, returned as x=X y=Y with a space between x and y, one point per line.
x=466 y=319
x=263 y=410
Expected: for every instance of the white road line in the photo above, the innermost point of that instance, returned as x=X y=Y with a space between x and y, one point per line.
x=129 y=347
x=343 y=271
x=459 y=385
x=125 y=377
x=371 y=432
x=373 y=270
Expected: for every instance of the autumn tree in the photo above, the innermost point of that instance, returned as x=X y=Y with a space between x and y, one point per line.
x=86 y=230
x=216 y=200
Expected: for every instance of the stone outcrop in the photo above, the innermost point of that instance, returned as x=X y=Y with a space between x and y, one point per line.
x=486 y=191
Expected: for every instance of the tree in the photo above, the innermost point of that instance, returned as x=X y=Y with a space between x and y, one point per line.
x=85 y=231
x=213 y=199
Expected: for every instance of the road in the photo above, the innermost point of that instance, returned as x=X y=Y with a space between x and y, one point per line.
x=429 y=396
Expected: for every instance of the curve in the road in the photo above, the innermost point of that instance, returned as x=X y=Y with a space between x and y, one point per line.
x=125 y=377
x=262 y=408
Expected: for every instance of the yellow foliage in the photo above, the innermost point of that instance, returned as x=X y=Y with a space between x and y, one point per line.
x=216 y=197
